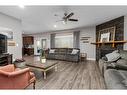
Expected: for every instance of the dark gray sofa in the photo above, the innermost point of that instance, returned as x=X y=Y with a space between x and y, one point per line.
x=116 y=79
x=115 y=73
x=64 y=54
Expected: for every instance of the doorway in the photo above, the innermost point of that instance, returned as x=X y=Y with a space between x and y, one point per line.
x=43 y=44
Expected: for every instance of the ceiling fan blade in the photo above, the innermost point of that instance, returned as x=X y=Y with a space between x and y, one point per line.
x=71 y=14
x=73 y=19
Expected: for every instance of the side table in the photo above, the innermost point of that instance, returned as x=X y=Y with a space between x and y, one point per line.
x=83 y=56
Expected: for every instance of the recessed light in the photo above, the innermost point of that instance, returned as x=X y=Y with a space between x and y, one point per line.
x=21 y=6
x=64 y=22
x=17 y=45
x=55 y=26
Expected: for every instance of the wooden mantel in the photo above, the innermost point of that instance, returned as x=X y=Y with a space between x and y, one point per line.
x=110 y=42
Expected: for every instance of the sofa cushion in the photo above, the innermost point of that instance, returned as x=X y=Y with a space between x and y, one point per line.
x=114 y=56
x=123 y=73
x=124 y=82
x=113 y=79
x=123 y=54
x=117 y=66
x=121 y=62
x=121 y=67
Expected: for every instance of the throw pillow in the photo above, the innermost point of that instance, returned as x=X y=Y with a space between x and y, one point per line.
x=114 y=56
x=74 y=51
x=52 y=51
x=123 y=73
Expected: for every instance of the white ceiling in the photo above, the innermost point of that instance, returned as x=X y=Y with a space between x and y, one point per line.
x=36 y=19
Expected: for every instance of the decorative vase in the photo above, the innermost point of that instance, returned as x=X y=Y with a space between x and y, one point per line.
x=43 y=58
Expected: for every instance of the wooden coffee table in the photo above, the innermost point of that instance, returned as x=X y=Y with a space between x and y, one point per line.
x=44 y=67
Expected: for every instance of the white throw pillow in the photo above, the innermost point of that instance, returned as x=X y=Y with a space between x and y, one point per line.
x=114 y=56
x=74 y=51
x=52 y=51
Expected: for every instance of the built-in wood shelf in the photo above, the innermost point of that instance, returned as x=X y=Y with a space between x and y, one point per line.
x=110 y=42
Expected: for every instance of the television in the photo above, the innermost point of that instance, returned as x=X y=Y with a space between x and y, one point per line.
x=3 y=44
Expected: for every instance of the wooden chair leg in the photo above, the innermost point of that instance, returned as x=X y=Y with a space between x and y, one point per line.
x=34 y=84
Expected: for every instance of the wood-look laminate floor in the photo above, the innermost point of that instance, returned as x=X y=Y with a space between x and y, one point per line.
x=83 y=75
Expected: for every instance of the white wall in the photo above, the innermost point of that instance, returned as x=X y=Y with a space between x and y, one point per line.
x=88 y=48
x=38 y=38
x=15 y=26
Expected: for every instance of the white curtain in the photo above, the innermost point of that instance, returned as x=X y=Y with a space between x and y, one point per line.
x=52 y=40
x=76 y=39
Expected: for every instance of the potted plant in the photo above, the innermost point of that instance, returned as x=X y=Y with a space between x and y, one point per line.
x=43 y=58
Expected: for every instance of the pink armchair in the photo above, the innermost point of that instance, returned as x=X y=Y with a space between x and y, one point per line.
x=12 y=78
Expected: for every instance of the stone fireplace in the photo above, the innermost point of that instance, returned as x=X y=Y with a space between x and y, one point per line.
x=119 y=35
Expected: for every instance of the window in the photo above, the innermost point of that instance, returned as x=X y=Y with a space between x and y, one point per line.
x=64 y=41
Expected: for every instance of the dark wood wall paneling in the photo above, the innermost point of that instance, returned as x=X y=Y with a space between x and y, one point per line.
x=119 y=35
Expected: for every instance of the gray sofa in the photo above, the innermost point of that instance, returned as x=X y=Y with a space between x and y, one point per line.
x=115 y=79
x=64 y=54
x=115 y=73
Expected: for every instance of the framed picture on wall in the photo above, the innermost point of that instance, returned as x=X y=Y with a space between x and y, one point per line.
x=107 y=34
x=105 y=37
x=11 y=43
x=85 y=39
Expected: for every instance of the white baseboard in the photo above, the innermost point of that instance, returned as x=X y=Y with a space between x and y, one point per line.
x=91 y=59
x=36 y=55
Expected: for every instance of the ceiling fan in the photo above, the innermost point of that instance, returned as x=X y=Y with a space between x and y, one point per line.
x=67 y=17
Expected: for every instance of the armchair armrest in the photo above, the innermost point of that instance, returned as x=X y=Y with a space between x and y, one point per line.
x=8 y=68
x=19 y=72
x=15 y=73
x=3 y=73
